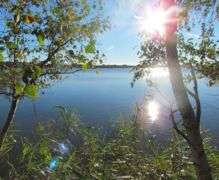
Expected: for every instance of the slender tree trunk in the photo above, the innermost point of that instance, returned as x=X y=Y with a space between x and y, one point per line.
x=10 y=117
x=191 y=124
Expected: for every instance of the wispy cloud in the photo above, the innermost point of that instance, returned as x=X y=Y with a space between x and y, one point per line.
x=138 y=17
x=193 y=35
x=110 y=48
x=124 y=11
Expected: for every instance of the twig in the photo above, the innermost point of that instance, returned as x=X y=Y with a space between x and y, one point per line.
x=171 y=115
x=196 y=97
x=57 y=72
x=6 y=93
x=42 y=63
x=190 y=93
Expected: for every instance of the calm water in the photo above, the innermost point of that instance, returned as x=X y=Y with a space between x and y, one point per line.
x=100 y=99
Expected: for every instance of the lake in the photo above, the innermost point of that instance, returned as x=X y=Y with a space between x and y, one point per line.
x=101 y=99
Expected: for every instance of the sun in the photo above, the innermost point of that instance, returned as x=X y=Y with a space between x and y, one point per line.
x=158 y=21
x=154 y=22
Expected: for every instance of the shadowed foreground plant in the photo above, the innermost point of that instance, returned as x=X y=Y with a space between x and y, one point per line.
x=72 y=151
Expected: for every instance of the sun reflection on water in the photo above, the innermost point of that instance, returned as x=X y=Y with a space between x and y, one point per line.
x=153 y=110
x=159 y=72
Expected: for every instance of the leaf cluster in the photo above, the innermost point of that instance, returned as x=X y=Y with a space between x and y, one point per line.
x=197 y=44
x=47 y=37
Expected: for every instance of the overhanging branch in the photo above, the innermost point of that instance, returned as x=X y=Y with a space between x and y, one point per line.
x=51 y=54
x=58 y=72
x=175 y=126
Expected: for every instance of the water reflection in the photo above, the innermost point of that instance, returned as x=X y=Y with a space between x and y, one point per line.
x=153 y=110
x=159 y=72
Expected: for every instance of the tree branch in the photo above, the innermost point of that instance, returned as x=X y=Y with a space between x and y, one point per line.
x=190 y=93
x=5 y=93
x=10 y=117
x=196 y=97
x=51 y=54
x=58 y=72
x=172 y=119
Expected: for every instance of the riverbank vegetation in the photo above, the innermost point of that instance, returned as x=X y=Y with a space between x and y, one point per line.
x=38 y=38
x=128 y=152
x=41 y=39
x=167 y=44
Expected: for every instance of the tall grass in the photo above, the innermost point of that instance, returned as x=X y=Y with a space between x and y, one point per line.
x=72 y=151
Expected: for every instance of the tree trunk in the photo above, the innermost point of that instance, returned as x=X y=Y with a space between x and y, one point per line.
x=192 y=126
x=10 y=117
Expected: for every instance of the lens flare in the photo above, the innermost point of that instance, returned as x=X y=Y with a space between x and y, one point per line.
x=54 y=163
x=62 y=148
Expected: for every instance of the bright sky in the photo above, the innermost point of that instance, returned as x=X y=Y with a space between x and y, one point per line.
x=122 y=42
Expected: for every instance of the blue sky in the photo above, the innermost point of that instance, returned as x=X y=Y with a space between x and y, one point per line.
x=122 y=42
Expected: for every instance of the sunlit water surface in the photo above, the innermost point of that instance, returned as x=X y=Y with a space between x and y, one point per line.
x=102 y=99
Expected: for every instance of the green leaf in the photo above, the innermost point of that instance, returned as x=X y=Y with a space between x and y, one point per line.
x=25 y=149
x=28 y=19
x=2 y=49
x=97 y=72
x=81 y=59
x=37 y=72
x=39 y=127
x=90 y=48
x=1 y=57
x=44 y=151
x=11 y=45
x=90 y=64
x=71 y=53
x=60 y=107
x=40 y=39
x=19 y=89
x=31 y=91
x=84 y=67
x=70 y=14
x=100 y=61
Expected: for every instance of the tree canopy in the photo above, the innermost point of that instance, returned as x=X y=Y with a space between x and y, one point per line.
x=198 y=41
x=189 y=39
x=41 y=37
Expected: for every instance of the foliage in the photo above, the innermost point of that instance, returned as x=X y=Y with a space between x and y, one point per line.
x=124 y=154
x=39 y=38
x=180 y=45
x=197 y=41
